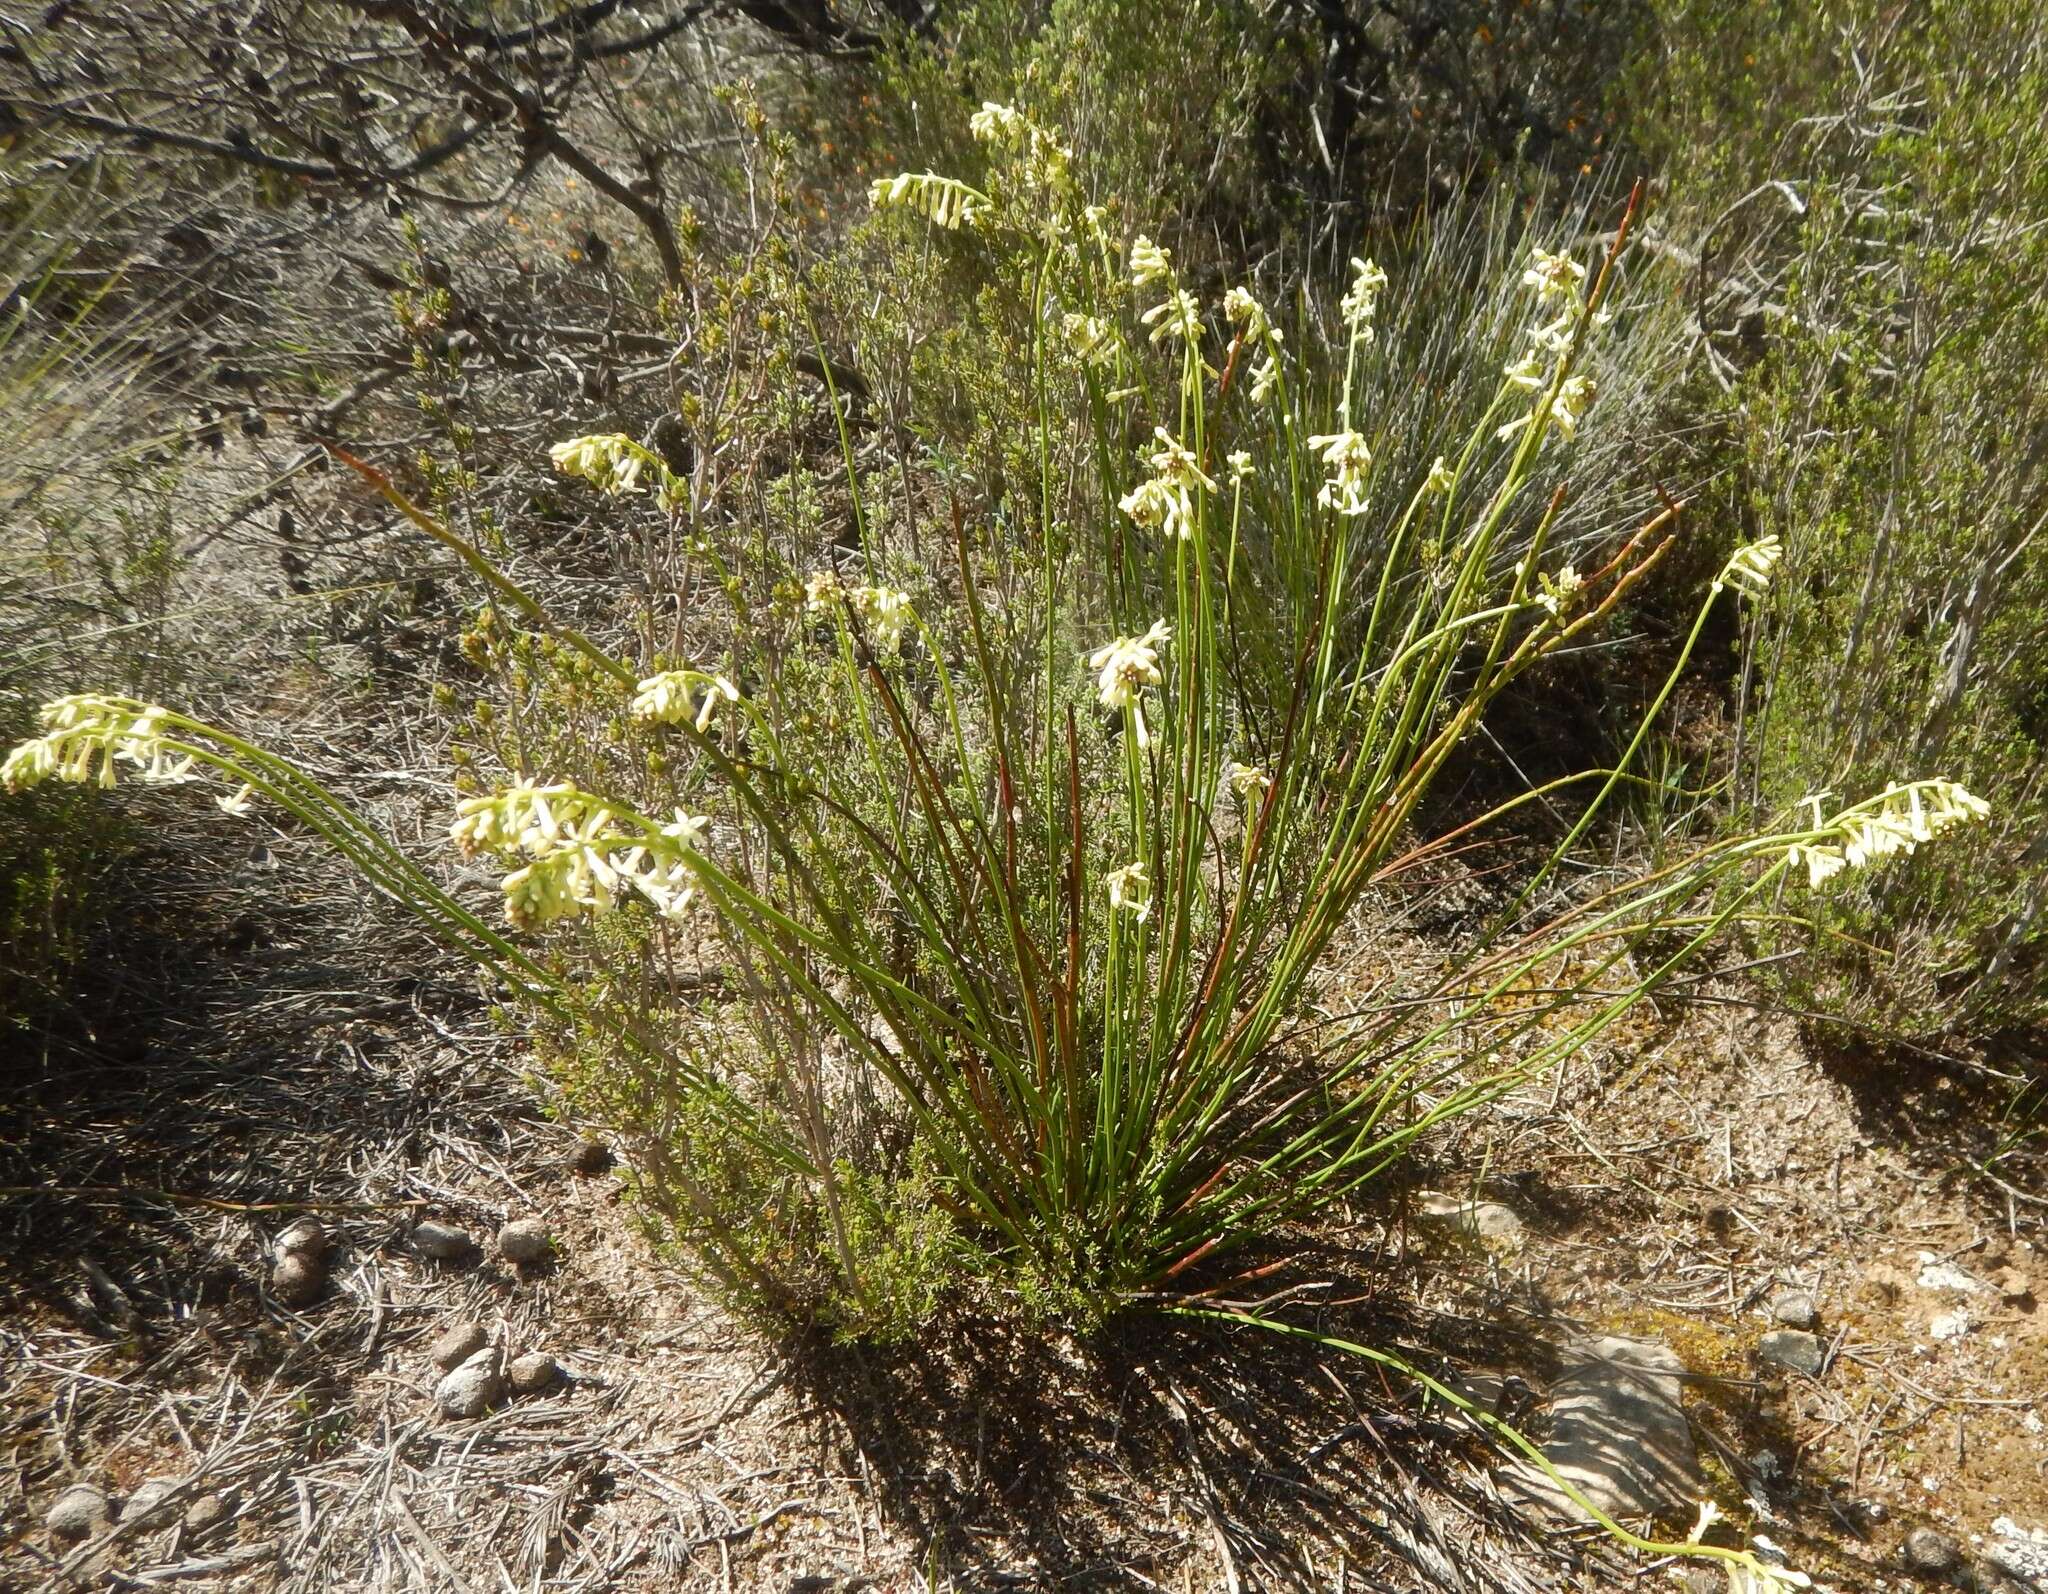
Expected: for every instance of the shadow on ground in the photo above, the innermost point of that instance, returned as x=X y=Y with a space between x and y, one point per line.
x=1092 y=1462
x=194 y=1077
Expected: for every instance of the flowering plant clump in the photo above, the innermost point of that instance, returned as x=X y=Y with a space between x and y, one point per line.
x=1024 y=931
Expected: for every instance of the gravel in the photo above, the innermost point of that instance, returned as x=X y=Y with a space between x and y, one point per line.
x=471 y=1389
x=78 y=1513
x=525 y=1242
x=440 y=1241
x=533 y=1373
x=1928 y=1551
x=461 y=1341
x=1794 y=1350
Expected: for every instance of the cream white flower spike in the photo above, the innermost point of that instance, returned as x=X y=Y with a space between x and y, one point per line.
x=1749 y=568
x=1149 y=263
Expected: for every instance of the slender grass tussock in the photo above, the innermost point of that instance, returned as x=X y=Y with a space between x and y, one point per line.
x=1020 y=898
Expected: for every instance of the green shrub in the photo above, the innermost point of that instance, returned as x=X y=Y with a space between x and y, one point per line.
x=1874 y=279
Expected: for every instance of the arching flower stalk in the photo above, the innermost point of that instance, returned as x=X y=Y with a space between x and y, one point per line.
x=1895 y=821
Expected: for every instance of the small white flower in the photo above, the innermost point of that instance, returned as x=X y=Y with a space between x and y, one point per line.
x=1174 y=461
x=1349 y=460
x=1131 y=889
x=1361 y=301
x=715 y=688
x=886 y=612
x=1265 y=377
x=687 y=830
x=238 y=804
x=1248 y=780
x=1957 y=803
x=1240 y=463
x=1128 y=665
x=1822 y=863
x=1558 y=591
x=1441 y=477
x=662 y=699
x=1531 y=370
x=1553 y=275
x=1897 y=821
x=1090 y=338
x=822 y=590
x=611 y=462
x=1160 y=505
x=1149 y=263
x=995 y=123
x=949 y=203
x=1245 y=311
x=670 y=697
x=1564 y=408
x=1179 y=315
x=155 y=766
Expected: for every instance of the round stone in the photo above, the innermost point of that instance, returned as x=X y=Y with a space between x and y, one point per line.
x=298 y=1279
x=208 y=1511
x=1795 y=1350
x=78 y=1513
x=471 y=1389
x=462 y=1341
x=1933 y=1553
x=440 y=1240
x=146 y=1504
x=1795 y=1309
x=306 y=1237
x=532 y=1373
x=525 y=1241
x=590 y=1157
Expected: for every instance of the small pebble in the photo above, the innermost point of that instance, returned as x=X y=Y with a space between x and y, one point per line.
x=532 y=1373
x=1795 y=1309
x=147 y=1501
x=1928 y=1551
x=440 y=1240
x=208 y=1511
x=590 y=1157
x=471 y=1389
x=79 y=1512
x=298 y=1279
x=306 y=1237
x=1487 y=1221
x=525 y=1241
x=462 y=1341
x=1795 y=1350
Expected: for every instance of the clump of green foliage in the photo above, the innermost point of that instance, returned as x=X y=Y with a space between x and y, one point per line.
x=1871 y=280
x=960 y=922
